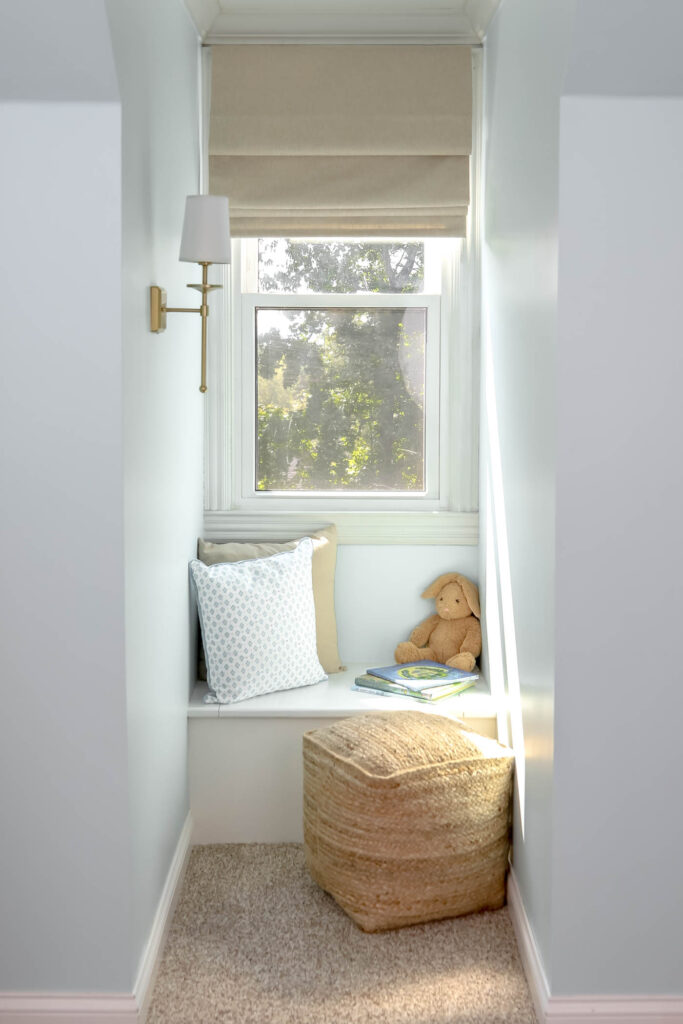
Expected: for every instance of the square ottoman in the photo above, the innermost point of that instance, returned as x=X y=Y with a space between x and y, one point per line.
x=406 y=817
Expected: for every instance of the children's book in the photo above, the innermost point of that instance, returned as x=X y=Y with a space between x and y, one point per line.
x=428 y=690
x=417 y=675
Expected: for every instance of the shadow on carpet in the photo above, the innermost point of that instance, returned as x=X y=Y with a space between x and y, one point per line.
x=255 y=941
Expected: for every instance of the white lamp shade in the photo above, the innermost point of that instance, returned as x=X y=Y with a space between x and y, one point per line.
x=206 y=230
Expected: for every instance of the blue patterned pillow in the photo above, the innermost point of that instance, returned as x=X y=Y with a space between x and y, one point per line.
x=258 y=624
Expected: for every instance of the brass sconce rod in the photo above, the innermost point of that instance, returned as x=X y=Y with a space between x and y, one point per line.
x=159 y=309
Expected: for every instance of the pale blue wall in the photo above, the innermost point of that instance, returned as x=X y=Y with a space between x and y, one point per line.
x=378 y=589
x=157 y=52
x=526 y=53
x=618 y=885
x=65 y=896
x=581 y=429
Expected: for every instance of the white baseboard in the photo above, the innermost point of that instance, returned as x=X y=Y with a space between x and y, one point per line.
x=63 y=1008
x=528 y=950
x=151 y=957
x=615 y=1010
x=115 y=1008
x=579 y=1009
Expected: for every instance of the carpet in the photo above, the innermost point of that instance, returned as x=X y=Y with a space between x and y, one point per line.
x=255 y=941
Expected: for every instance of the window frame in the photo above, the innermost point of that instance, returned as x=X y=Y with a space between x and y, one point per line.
x=233 y=504
x=246 y=495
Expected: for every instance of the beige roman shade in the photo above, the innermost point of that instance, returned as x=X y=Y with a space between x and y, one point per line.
x=311 y=140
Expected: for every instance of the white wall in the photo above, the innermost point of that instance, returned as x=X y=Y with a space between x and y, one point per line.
x=157 y=53
x=377 y=593
x=618 y=885
x=526 y=54
x=65 y=893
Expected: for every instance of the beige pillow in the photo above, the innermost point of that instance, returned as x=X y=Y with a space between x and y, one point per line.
x=324 y=562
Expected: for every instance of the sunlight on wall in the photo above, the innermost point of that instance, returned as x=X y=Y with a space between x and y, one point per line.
x=494 y=629
x=501 y=640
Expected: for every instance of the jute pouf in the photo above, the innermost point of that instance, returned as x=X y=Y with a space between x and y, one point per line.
x=406 y=817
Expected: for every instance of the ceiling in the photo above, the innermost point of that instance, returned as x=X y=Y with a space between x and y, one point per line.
x=461 y=21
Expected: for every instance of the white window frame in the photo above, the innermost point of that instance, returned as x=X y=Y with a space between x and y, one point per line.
x=246 y=495
x=444 y=515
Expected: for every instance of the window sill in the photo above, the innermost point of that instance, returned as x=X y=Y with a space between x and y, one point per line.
x=372 y=527
x=334 y=698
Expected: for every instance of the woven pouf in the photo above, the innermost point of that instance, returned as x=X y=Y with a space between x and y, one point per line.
x=406 y=817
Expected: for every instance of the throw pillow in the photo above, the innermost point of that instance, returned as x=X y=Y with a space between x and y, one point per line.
x=324 y=563
x=258 y=623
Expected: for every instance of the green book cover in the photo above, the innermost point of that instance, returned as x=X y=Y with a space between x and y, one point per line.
x=416 y=675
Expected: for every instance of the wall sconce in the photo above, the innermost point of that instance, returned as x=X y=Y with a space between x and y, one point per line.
x=205 y=240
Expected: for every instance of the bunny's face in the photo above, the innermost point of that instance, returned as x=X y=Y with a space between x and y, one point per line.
x=451 y=602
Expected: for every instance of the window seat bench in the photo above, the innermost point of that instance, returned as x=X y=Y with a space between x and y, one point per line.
x=245 y=766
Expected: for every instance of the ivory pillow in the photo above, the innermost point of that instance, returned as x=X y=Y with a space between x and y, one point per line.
x=258 y=623
x=324 y=562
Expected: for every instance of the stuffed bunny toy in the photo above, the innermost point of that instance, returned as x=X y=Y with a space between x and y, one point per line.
x=451 y=636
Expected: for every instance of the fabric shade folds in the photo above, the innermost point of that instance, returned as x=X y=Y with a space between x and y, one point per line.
x=313 y=140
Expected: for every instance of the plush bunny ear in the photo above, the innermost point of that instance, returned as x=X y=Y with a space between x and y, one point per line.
x=438 y=584
x=469 y=589
x=471 y=592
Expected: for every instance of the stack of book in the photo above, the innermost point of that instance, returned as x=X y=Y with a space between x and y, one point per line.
x=421 y=680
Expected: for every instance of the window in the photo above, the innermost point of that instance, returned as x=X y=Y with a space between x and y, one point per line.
x=344 y=393
x=337 y=394
x=345 y=350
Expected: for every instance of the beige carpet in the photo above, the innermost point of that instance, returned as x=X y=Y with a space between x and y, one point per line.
x=255 y=941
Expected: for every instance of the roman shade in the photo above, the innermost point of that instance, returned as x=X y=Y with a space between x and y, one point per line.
x=314 y=140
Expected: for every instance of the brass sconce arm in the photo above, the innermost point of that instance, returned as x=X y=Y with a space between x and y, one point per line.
x=159 y=309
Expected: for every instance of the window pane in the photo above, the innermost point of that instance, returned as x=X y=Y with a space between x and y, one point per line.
x=301 y=268
x=340 y=399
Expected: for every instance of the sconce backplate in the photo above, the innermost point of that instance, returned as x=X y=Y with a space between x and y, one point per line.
x=157 y=309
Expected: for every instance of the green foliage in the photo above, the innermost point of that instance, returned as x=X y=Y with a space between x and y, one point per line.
x=340 y=267
x=341 y=391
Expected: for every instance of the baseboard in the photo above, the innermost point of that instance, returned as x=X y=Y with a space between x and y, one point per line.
x=151 y=957
x=64 y=1008
x=615 y=1010
x=578 y=1009
x=123 y=1008
x=528 y=950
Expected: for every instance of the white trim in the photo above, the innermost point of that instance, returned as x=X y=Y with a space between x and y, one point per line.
x=449 y=519
x=108 y=1008
x=361 y=25
x=204 y=89
x=151 y=957
x=467 y=357
x=202 y=13
x=575 y=1009
x=528 y=950
x=67 y=1008
x=481 y=14
x=464 y=37
x=353 y=21
x=615 y=1010
x=219 y=414
x=353 y=527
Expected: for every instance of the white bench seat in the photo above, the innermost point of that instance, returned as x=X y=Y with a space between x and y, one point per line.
x=245 y=771
x=335 y=698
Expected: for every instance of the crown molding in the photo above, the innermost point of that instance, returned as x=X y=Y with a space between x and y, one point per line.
x=373 y=21
x=203 y=13
x=340 y=39
x=481 y=14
